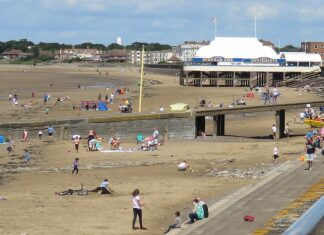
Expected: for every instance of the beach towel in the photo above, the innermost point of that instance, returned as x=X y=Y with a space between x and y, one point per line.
x=117 y=151
x=249 y=218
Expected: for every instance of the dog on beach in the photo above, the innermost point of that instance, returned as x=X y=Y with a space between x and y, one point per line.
x=302 y=159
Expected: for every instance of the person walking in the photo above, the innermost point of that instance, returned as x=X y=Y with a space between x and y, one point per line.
x=274 y=132
x=310 y=151
x=275 y=155
x=112 y=98
x=137 y=209
x=76 y=142
x=75 y=166
x=287 y=132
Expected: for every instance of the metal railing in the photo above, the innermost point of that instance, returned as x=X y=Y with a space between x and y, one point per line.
x=308 y=221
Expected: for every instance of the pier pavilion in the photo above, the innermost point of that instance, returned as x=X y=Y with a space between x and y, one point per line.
x=229 y=61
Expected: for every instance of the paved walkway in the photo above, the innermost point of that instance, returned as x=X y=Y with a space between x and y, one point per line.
x=262 y=200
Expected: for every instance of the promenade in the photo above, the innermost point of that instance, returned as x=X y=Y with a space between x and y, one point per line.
x=263 y=200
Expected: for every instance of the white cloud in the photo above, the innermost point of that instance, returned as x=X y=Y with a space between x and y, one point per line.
x=89 y=5
x=262 y=11
x=311 y=14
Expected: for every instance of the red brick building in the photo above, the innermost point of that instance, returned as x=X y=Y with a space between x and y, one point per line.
x=314 y=47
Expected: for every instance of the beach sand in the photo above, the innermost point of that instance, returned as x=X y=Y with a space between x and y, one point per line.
x=33 y=208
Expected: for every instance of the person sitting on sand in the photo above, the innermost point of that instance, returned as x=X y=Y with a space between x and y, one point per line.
x=177 y=223
x=204 y=206
x=196 y=214
x=114 y=142
x=11 y=147
x=103 y=188
x=184 y=165
x=26 y=156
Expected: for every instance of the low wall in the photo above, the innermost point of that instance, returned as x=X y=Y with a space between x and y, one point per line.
x=170 y=125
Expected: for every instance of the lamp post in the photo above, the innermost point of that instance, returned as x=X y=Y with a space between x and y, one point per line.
x=141 y=83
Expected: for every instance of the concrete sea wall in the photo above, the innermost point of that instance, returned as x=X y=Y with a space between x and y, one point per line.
x=170 y=125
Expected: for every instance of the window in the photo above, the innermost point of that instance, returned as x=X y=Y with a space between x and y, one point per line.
x=315 y=46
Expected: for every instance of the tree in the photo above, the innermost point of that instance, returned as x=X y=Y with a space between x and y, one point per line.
x=53 y=46
x=2 y=47
x=114 y=46
x=148 y=46
x=35 y=52
x=289 y=48
x=90 y=45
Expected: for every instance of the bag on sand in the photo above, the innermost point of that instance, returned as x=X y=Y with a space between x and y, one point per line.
x=249 y=218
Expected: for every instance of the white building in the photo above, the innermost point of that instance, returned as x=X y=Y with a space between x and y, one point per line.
x=301 y=58
x=150 y=57
x=187 y=50
x=84 y=54
x=237 y=51
x=119 y=41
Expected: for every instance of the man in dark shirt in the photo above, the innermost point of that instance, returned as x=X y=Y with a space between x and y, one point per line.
x=310 y=151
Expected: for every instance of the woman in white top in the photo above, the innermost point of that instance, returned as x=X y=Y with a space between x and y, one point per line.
x=137 y=209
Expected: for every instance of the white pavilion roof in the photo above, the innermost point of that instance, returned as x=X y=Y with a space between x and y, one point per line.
x=301 y=57
x=236 y=47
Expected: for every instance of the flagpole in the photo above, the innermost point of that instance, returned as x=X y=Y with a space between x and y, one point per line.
x=141 y=83
x=215 y=21
x=255 y=27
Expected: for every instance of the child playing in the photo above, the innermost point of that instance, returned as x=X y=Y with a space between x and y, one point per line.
x=40 y=133
x=75 y=166
x=26 y=156
x=177 y=223
x=11 y=147
x=275 y=155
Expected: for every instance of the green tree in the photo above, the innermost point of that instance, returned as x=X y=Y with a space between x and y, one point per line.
x=148 y=46
x=91 y=46
x=114 y=46
x=289 y=48
x=35 y=52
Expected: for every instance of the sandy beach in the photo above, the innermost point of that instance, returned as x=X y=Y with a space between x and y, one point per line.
x=32 y=206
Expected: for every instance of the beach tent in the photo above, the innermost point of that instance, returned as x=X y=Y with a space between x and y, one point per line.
x=102 y=106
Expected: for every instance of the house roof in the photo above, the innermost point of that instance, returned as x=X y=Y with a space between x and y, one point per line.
x=236 y=47
x=12 y=52
x=115 y=53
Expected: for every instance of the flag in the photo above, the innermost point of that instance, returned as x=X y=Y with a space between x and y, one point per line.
x=213 y=19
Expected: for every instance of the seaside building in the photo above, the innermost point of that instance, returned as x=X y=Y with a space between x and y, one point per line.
x=84 y=54
x=314 y=47
x=15 y=54
x=150 y=57
x=114 y=56
x=238 y=61
x=187 y=50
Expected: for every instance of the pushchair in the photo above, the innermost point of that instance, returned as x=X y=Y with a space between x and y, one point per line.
x=149 y=144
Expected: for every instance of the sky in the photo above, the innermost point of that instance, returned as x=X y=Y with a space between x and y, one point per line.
x=164 y=21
